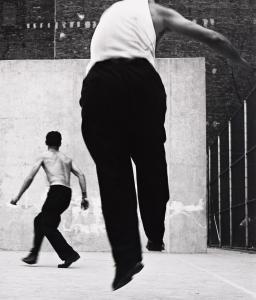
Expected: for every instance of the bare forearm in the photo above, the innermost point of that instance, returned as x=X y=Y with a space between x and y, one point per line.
x=24 y=187
x=82 y=183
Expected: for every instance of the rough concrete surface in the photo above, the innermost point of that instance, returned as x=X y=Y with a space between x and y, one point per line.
x=218 y=275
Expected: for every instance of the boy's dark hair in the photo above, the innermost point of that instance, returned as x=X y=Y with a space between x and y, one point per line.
x=53 y=139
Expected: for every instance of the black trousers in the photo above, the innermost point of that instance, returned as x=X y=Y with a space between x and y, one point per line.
x=123 y=113
x=48 y=220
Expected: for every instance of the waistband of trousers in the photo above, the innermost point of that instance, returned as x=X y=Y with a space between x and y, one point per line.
x=59 y=187
x=124 y=61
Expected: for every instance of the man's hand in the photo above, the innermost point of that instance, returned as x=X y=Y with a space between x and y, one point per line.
x=14 y=201
x=84 y=204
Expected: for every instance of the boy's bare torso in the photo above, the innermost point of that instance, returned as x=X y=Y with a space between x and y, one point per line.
x=57 y=167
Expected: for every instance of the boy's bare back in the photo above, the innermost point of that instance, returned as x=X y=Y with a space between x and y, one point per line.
x=57 y=167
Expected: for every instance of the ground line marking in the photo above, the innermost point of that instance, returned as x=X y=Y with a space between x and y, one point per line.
x=222 y=279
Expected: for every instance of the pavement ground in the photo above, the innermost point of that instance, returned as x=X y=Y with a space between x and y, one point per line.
x=219 y=274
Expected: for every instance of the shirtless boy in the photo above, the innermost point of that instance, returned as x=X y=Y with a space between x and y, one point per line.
x=58 y=168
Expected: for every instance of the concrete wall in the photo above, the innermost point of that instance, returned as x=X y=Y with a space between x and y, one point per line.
x=39 y=96
x=184 y=81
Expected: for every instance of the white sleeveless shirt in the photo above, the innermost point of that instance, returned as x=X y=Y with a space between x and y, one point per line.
x=125 y=30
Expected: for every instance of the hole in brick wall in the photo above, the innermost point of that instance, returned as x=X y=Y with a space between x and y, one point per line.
x=81 y=16
x=215 y=124
x=62 y=36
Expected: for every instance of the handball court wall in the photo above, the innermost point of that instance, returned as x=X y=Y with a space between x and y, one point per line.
x=38 y=96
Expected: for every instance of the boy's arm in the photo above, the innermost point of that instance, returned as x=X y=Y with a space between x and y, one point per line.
x=82 y=182
x=28 y=180
x=173 y=21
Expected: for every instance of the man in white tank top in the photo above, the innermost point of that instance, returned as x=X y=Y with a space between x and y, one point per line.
x=58 y=168
x=123 y=111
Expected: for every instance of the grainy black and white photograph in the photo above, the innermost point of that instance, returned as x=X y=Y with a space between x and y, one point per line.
x=127 y=149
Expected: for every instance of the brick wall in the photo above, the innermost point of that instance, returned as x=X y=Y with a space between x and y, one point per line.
x=63 y=29
x=17 y=40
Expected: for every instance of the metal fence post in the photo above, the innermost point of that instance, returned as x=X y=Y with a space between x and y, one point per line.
x=246 y=176
x=209 y=195
x=230 y=184
x=219 y=192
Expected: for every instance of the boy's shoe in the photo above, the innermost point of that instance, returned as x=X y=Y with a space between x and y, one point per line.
x=69 y=260
x=30 y=259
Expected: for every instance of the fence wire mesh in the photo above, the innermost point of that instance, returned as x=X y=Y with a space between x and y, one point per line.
x=231 y=181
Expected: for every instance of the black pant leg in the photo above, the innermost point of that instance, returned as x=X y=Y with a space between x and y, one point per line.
x=118 y=194
x=148 y=103
x=119 y=206
x=104 y=129
x=58 y=200
x=38 y=235
x=152 y=185
x=50 y=223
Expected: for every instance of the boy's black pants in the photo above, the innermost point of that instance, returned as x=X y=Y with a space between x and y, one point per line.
x=48 y=220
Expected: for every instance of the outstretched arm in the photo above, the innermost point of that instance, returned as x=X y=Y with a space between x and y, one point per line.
x=28 y=180
x=82 y=182
x=170 y=20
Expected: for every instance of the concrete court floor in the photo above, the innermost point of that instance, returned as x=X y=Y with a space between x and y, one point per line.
x=219 y=274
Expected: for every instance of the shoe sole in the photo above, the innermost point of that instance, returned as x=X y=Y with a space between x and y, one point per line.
x=128 y=276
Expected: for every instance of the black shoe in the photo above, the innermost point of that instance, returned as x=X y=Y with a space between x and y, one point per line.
x=69 y=261
x=30 y=259
x=124 y=275
x=151 y=246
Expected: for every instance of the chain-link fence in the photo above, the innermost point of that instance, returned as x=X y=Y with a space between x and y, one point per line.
x=232 y=181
